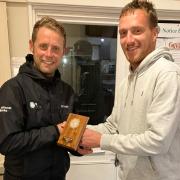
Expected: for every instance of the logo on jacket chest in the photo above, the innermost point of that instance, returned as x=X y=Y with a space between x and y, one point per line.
x=64 y=106
x=34 y=105
x=5 y=108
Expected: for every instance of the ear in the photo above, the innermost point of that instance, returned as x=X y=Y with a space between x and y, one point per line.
x=64 y=51
x=155 y=33
x=31 y=46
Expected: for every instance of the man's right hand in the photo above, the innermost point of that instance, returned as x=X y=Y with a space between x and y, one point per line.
x=61 y=126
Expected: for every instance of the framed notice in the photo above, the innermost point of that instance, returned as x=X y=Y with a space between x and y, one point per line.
x=169 y=36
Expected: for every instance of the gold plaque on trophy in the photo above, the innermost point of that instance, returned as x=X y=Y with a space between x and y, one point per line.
x=73 y=131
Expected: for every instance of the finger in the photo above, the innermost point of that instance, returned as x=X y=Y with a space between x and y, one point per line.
x=84 y=151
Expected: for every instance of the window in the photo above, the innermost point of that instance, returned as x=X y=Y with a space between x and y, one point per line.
x=89 y=67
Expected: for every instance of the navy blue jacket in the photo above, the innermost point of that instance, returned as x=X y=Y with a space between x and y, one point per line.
x=30 y=107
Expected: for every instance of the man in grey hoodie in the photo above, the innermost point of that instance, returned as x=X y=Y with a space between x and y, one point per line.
x=143 y=128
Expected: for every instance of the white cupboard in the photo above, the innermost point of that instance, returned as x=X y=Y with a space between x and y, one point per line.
x=97 y=166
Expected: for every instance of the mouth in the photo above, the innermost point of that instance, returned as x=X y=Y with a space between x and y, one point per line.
x=131 y=48
x=47 y=62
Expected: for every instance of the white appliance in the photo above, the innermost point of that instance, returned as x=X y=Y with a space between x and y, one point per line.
x=97 y=166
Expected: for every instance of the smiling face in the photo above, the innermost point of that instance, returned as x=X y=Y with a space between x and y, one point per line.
x=137 y=38
x=48 y=50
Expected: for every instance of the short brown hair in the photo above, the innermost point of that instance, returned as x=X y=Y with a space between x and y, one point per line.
x=49 y=23
x=144 y=5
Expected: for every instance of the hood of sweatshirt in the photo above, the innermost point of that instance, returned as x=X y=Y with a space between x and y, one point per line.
x=153 y=57
x=28 y=69
x=150 y=59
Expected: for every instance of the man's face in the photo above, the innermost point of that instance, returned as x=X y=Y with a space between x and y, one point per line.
x=136 y=37
x=47 y=50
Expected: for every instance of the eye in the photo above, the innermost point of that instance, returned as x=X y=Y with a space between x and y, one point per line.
x=55 y=49
x=43 y=46
x=122 y=33
x=137 y=31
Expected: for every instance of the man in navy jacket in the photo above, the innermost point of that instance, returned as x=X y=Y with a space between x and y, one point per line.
x=33 y=106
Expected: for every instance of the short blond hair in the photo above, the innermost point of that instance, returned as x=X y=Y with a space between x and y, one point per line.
x=148 y=7
x=49 y=23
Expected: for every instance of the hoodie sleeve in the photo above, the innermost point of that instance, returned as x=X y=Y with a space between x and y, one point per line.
x=13 y=138
x=109 y=126
x=162 y=122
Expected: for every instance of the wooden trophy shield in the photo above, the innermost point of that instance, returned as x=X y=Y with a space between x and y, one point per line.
x=73 y=131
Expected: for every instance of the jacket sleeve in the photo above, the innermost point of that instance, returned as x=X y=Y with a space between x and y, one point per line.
x=13 y=138
x=162 y=122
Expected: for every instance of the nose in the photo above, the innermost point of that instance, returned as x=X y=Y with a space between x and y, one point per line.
x=49 y=52
x=130 y=38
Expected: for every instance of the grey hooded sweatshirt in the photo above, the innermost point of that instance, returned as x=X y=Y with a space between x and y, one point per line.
x=144 y=127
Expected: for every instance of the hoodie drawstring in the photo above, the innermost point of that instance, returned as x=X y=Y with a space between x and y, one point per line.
x=129 y=77
x=133 y=89
x=134 y=86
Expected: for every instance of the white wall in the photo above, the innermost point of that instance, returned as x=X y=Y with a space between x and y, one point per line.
x=18 y=27
x=5 y=72
x=159 y=4
x=14 y=35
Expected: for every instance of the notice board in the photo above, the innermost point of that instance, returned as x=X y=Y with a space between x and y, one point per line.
x=169 y=36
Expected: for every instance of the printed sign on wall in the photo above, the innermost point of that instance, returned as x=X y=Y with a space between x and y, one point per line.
x=169 y=36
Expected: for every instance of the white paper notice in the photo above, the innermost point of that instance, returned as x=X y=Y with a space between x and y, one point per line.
x=169 y=36
x=16 y=62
